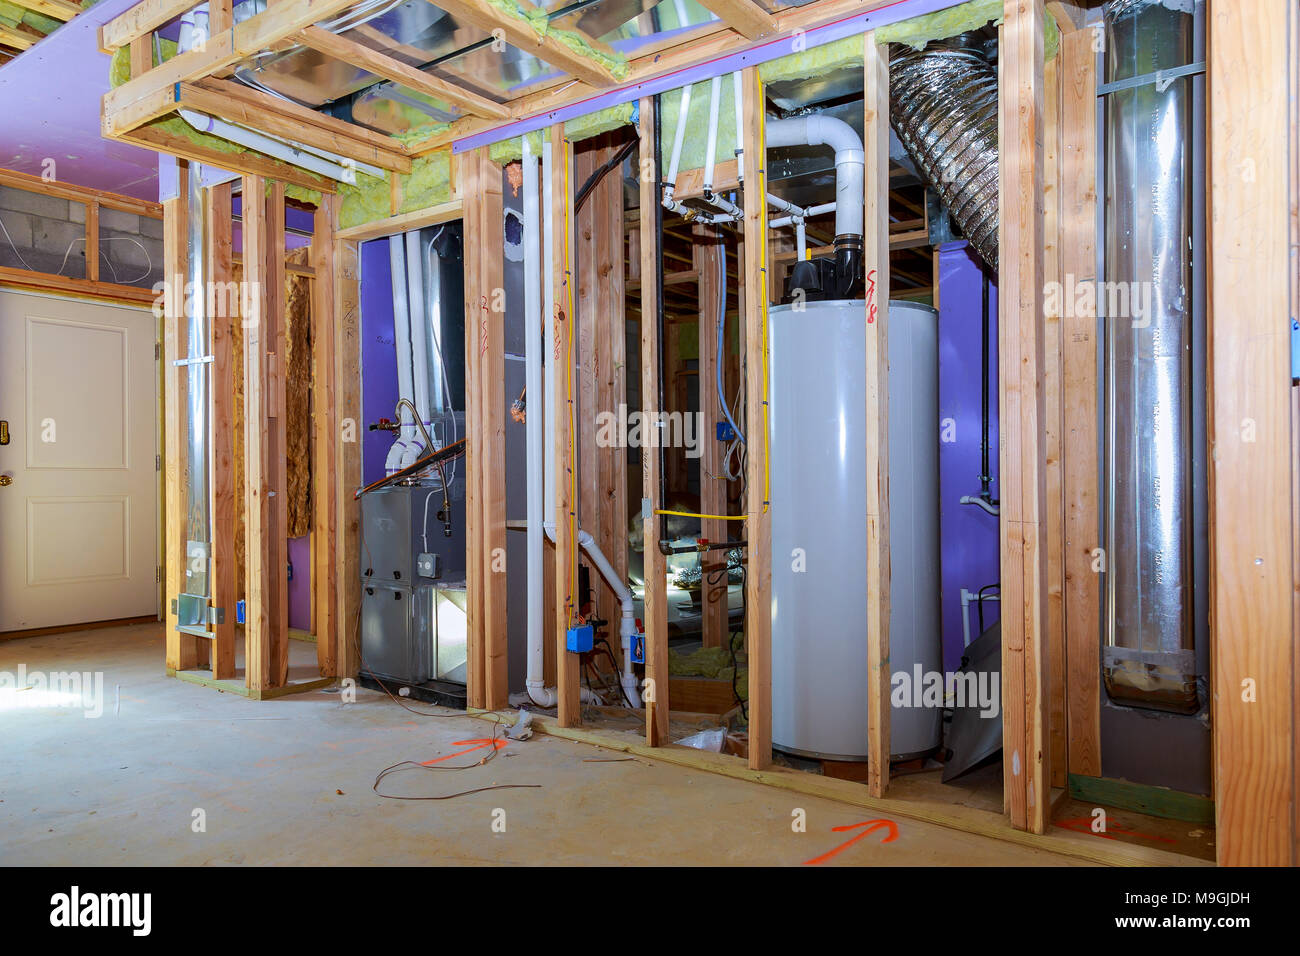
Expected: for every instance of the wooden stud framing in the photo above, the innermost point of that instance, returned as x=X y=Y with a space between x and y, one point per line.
x=875 y=253
x=372 y=61
x=485 y=429
x=563 y=383
x=324 y=432
x=92 y=242
x=1054 y=643
x=744 y=16
x=1021 y=414
x=1254 y=636
x=220 y=256
x=713 y=489
x=491 y=416
x=347 y=452
x=518 y=32
x=243 y=105
x=758 y=524
x=182 y=649
x=266 y=626
x=656 y=583
x=1080 y=466
x=475 y=326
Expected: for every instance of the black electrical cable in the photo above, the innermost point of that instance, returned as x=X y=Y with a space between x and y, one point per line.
x=986 y=477
x=615 y=161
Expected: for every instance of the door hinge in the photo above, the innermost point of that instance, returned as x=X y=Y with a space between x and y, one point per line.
x=157 y=351
x=157 y=573
x=157 y=462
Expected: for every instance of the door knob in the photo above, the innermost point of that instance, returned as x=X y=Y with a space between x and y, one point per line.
x=5 y=481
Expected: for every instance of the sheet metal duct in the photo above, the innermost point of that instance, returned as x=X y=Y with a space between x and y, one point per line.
x=943 y=104
x=192 y=604
x=1149 y=657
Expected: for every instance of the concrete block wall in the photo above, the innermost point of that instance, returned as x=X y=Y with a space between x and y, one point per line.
x=47 y=234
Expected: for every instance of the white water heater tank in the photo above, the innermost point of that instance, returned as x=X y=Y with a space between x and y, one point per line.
x=817 y=370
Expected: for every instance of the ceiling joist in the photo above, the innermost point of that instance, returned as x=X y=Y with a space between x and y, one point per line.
x=744 y=16
x=372 y=61
x=520 y=33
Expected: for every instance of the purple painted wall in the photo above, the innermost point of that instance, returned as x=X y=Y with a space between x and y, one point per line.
x=379 y=391
x=300 y=583
x=969 y=536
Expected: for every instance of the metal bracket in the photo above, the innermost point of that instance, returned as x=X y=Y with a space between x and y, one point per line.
x=201 y=360
x=1162 y=79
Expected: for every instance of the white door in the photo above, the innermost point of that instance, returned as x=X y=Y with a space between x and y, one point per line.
x=79 y=516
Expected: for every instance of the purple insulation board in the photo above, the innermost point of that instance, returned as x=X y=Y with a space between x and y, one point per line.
x=968 y=535
x=379 y=389
x=300 y=582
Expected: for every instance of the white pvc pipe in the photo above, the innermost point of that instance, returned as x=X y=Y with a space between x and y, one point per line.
x=678 y=136
x=275 y=148
x=627 y=630
x=548 y=332
x=402 y=339
x=740 y=127
x=533 y=425
x=419 y=339
x=850 y=161
x=711 y=151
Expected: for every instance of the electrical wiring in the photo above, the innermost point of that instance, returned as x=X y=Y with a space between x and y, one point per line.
x=103 y=255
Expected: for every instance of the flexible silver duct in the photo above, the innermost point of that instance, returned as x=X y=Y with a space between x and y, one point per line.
x=943 y=103
x=1149 y=656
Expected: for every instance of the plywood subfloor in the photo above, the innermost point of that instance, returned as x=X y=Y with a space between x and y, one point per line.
x=289 y=781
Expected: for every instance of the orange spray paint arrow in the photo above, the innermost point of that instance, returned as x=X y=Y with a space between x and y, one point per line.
x=889 y=826
x=472 y=745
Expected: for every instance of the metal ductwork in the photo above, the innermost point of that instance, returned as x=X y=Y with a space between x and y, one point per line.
x=1150 y=161
x=192 y=602
x=943 y=104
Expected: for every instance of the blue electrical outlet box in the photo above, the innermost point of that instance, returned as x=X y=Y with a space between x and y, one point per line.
x=578 y=640
x=725 y=431
x=239 y=612
x=638 y=649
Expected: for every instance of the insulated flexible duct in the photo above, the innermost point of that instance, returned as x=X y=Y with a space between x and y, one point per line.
x=1149 y=658
x=943 y=104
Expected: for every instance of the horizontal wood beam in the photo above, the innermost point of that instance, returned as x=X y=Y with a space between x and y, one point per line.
x=56 y=9
x=18 y=39
x=262 y=115
x=44 y=281
x=519 y=33
x=253 y=35
x=140 y=20
x=744 y=16
x=682 y=51
x=434 y=215
x=250 y=163
x=246 y=94
x=380 y=64
x=84 y=194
